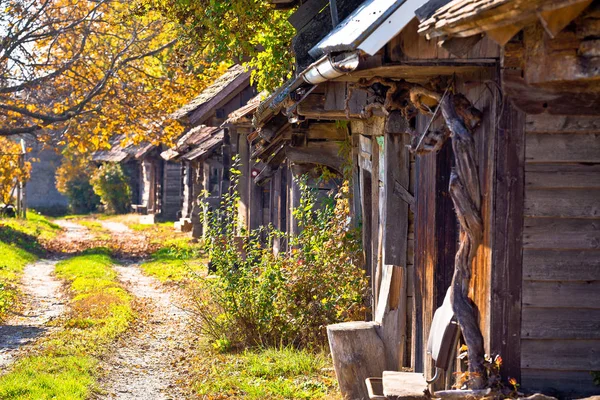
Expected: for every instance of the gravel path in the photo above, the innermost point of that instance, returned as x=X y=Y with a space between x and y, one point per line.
x=73 y=231
x=43 y=301
x=142 y=365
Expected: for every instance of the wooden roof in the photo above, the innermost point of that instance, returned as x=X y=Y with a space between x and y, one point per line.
x=121 y=150
x=231 y=81
x=208 y=144
x=193 y=138
x=244 y=111
x=500 y=19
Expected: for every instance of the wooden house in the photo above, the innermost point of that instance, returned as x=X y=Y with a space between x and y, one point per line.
x=149 y=176
x=204 y=152
x=474 y=132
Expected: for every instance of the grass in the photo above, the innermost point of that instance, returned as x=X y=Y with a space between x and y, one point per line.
x=175 y=261
x=64 y=364
x=285 y=373
x=19 y=246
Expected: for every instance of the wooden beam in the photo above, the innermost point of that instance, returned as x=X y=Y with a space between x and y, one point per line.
x=323 y=153
x=460 y=46
x=554 y=20
x=506 y=275
x=404 y=194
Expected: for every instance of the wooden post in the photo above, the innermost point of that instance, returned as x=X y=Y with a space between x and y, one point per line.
x=507 y=274
x=356 y=205
x=245 y=180
x=391 y=305
x=197 y=187
x=375 y=243
x=357 y=353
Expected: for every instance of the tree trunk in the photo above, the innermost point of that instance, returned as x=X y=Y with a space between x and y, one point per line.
x=465 y=193
x=358 y=354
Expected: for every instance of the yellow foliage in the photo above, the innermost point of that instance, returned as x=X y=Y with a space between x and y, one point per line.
x=11 y=171
x=120 y=76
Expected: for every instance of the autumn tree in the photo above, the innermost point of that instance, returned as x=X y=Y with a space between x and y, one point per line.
x=252 y=32
x=12 y=170
x=77 y=72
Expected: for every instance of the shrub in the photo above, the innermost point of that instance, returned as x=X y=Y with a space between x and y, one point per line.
x=73 y=180
x=111 y=184
x=257 y=297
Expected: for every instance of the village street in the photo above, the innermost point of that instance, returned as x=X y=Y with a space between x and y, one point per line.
x=299 y=199
x=143 y=364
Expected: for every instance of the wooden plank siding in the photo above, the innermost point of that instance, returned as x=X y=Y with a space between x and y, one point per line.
x=560 y=330
x=436 y=226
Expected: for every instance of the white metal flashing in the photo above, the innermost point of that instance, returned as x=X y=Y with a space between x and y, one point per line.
x=390 y=27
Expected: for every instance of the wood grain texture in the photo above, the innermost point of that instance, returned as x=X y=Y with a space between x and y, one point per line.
x=562 y=147
x=563 y=203
x=562 y=176
x=566 y=323
x=581 y=295
x=561 y=265
x=569 y=355
x=396 y=218
x=567 y=384
x=545 y=123
x=575 y=234
x=506 y=274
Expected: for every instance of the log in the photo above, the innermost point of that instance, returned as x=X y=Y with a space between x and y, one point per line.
x=358 y=354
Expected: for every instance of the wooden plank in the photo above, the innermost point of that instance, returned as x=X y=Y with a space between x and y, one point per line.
x=570 y=294
x=545 y=102
x=397 y=161
x=567 y=384
x=364 y=144
x=560 y=323
x=375 y=229
x=557 y=265
x=506 y=274
x=391 y=314
x=569 y=355
x=561 y=233
x=335 y=96
x=366 y=198
x=563 y=203
x=562 y=176
x=562 y=147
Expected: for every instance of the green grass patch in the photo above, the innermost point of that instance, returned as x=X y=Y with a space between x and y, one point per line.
x=64 y=365
x=28 y=233
x=285 y=373
x=20 y=245
x=175 y=261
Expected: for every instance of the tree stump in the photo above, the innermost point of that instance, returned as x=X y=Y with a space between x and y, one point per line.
x=358 y=353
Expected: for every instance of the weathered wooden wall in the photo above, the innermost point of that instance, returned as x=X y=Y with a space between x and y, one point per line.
x=560 y=337
x=410 y=45
x=172 y=191
x=435 y=221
